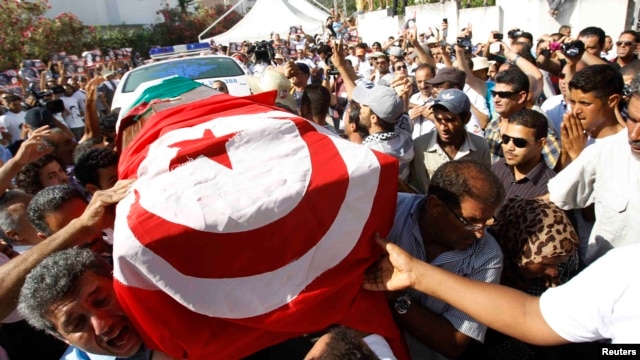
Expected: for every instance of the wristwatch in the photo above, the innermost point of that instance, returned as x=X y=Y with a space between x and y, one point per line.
x=402 y=304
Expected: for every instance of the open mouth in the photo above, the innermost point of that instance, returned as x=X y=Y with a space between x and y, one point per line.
x=121 y=337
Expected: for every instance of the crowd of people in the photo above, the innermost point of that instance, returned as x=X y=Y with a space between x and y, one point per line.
x=513 y=234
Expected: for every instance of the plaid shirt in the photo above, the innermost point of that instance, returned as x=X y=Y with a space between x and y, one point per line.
x=550 y=151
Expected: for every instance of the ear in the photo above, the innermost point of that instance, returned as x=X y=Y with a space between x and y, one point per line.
x=91 y=188
x=434 y=206
x=465 y=119
x=522 y=98
x=542 y=143
x=613 y=101
x=14 y=236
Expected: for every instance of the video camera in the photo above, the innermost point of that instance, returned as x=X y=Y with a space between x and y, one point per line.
x=466 y=43
x=55 y=106
x=326 y=49
x=263 y=51
x=515 y=33
x=573 y=48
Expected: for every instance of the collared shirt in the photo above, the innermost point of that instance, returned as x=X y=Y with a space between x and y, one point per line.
x=482 y=261
x=428 y=156
x=607 y=174
x=555 y=107
x=550 y=151
x=532 y=185
x=420 y=124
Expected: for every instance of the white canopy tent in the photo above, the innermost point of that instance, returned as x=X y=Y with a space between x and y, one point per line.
x=268 y=16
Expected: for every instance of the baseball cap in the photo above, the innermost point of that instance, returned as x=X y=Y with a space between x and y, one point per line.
x=454 y=100
x=273 y=80
x=382 y=100
x=480 y=63
x=38 y=117
x=450 y=74
x=395 y=51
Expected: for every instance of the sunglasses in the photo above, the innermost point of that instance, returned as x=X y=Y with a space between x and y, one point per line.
x=517 y=142
x=401 y=67
x=503 y=94
x=625 y=43
x=469 y=225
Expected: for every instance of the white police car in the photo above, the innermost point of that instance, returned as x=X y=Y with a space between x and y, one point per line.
x=205 y=69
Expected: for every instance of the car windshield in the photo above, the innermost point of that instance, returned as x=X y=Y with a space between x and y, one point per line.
x=195 y=68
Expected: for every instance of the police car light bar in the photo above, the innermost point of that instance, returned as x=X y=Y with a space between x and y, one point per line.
x=183 y=49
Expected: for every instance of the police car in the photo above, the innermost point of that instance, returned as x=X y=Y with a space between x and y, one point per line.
x=205 y=69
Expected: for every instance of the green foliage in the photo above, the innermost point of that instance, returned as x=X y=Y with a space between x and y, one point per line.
x=28 y=34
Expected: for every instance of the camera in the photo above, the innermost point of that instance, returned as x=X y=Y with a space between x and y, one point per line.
x=328 y=52
x=55 y=106
x=573 y=48
x=515 y=33
x=498 y=36
x=263 y=51
x=465 y=42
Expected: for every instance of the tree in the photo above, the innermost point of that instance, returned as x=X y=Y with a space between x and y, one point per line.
x=183 y=5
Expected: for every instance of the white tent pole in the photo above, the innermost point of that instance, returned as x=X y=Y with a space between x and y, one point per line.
x=219 y=19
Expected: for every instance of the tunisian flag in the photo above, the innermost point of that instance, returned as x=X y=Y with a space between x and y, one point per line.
x=248 y=226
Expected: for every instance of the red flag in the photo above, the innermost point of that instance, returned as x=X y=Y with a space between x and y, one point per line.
x=248 y=226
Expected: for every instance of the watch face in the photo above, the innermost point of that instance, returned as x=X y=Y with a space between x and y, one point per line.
x=402 y=304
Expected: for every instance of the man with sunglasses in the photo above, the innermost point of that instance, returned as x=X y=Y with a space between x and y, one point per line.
x=522 y=170
x=626 y=47
x=382 y=75
x=446 y=228
x=510 y=96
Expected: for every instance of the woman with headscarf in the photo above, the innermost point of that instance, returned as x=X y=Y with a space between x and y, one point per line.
x=540 y=248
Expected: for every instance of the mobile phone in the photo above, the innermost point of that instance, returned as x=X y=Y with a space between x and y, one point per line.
x=498 y=36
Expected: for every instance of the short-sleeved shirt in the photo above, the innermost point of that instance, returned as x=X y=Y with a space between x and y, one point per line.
x=601 y=302
x=532 y=185
x=607 y=174
x=429 y=156
x=482 y=261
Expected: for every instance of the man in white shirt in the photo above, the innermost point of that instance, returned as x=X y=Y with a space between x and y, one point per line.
x=11 y=122
x=606 y=174
x=73 y=115
x=420 y=103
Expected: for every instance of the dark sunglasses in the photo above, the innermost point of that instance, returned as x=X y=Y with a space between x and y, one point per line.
x=625 y=43
x=518 y=142
x=503 y=94
x=401 y=67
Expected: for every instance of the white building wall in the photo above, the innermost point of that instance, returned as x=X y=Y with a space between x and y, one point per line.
x=529 y=15
x=111 y=12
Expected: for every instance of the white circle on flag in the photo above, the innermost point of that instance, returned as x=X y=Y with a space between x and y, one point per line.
x=270 y=164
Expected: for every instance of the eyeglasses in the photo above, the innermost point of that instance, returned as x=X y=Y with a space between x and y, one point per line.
x=625 y=43
x=401 y=67
x=502 y=94
x=468 y=225
x=518 y=142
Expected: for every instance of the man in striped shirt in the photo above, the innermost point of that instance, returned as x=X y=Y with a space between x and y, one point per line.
x=446 y=228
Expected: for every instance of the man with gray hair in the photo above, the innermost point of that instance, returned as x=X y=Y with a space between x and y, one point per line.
x=72 y=290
